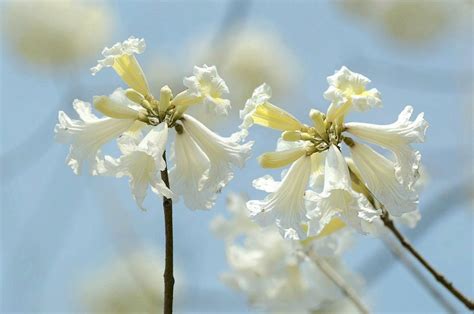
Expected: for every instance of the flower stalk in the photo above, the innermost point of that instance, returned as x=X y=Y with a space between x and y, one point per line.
x=168 y=273
x=388 y=222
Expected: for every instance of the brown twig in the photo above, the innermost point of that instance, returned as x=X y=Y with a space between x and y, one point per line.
x=329 y=271
x=168 y=274
x=439 y=277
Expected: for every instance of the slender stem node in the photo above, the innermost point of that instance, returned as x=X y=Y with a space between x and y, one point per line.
x=168 y=274
x=438 y=276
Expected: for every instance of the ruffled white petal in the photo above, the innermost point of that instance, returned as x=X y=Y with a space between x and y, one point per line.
x=338 y=199
x=378 y=173
x=347 y=87
x=266 y=183
x=87 y=136
x=286 y=206
x=259 y=111
x=397 y=137
x=143 y=165
x=121 y=57
x=222 y=152
x=207 y=84
x=260 y=95
x=191 y=172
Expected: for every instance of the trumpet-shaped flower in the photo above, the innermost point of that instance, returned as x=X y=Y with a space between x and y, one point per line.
x=205 y=86
x=222 y=152
x=142 y=163
x=87 y=135
x=378 y=174
x=338 y=199
x=397 y=137
x=121 y=57
x=191 y=172
x=286 y=206
x=258 y=110
x=347 y=89
x=203 y=160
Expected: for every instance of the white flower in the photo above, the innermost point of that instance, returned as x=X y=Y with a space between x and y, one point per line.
x=56 y=33
x=258 y=110
x=338 y=199
x=347 y=89
x=207 y=85
x=222 y=152
x=378 y=173
x=286 y=206
x=121 y=57
x=273 y=272
x=142 y=163
x=238 y=224
x=86 y=136
x=397 y=137
x=191 y=172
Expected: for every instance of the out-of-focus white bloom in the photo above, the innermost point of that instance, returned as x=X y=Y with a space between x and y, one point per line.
x=378 y=174
x=56 y=33
x=223 y=153
x=275 y=274
x=121 y=57
x=397 y=137
x=87 y=135
x=347 y=90
x=423 y=20
x=286 y=206
x=130 y=284
x=142 y=162
x=209 y=87
x=338 y=199
x=238 y=224
x=258 y=110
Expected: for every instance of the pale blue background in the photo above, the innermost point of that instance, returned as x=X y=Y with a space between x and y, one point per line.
x=55 y=230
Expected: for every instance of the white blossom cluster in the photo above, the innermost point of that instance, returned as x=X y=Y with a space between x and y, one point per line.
x=320 y=183
x=142 y=126
x=278 y=275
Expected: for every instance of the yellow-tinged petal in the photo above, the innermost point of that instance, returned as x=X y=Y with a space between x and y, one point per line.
x=336 y=224
x=128 y=68
x=281 y=158
x=273 y=117
x=115 y=106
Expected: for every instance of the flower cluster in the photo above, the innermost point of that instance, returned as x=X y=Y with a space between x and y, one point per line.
x=352 y=189
x=203 y=160
x=278 y=275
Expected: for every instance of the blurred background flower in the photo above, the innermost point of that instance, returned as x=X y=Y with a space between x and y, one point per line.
x=130 y=284
x=56 y=33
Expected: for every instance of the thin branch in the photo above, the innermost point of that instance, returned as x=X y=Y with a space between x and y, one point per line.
x=456 y=195
x=419 y=276
x=438 y=276
x=327 y=269
x=168 y=274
